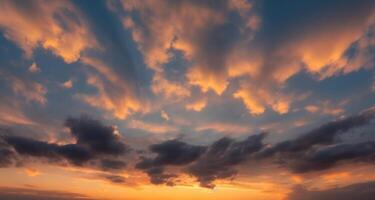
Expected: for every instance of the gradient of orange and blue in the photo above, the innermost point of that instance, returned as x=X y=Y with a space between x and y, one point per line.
x=187 y=99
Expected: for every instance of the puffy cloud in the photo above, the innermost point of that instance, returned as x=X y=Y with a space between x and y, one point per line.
x=112 y=97
x=257 y=100
x=53 y=25
x=326 y=157
x=222 y=156
x=169 y=89
x=93 y=141
x=319 y=149
x=206 y=163
x=322 y=147
x=324 y=134
x=67 y=29
x=171 y=152
x=98 y=137
x=229 y=40
x=191 y=27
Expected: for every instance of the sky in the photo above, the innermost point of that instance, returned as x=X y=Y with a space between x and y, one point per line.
x=187 y=99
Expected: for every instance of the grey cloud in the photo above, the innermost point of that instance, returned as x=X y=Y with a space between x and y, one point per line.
x=94 y=141
x=221 y=158
x=362 y=191
x=34 y=194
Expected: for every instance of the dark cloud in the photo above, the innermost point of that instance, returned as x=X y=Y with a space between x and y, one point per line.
x=206 y=163
x=34 y=194
x=319 y=149
x=175 y=152
x=115 y=179
x=109 y=164
x=326 y=157
x=322 y=147
x=326 y=134
x=221 y=157
x=94 y=141
x=96 y=136
x=363 y=191
x=158 y=176
x=6 y=155
x=172 y=152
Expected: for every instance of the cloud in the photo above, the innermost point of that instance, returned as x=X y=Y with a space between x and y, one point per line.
x=316 y=150
x=222 y=127
x=98 y=137
x=327 y=108
x=107 y=98
x=322 y=147
x=70 y=31
x=111 y=164
x=151 y=127
x=12 y=113
x=324 y=134
x=365 y=191
x=171 y=152
x=221 y=157
x=67 y=84
x=257 y=100
x=326 y=157
x=34 y=68
x=164 y=115
x=32 y=172
x=7 y=156
x=197 y=105
x=230 y=40
x=35 y=194
x=115 y=179
x=30 y=90
x=93 y=141
x=165 y=26
x=52 y=25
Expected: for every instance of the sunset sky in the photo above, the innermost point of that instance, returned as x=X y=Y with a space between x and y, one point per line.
x=187 y=99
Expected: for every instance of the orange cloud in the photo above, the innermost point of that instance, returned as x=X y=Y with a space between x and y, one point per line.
x=257 y=100
x=67 y=84
x=183 y=26
x=197 y=105
x=168 y=89
x=115 y=93
x=30 y=90
x=38 y=25
x=121 y=104
x=11 y=113
x=151 y=127
x=222 y=127
x=32 y=172
x=34 y=68
x=327 y=108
